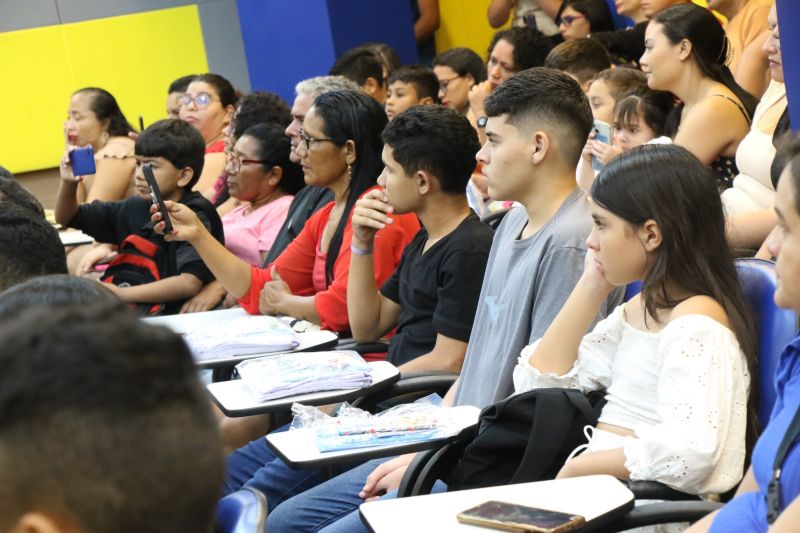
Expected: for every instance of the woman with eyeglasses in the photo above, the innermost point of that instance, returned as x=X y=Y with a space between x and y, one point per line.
x=340 y=149
x=576 y=19
x=208 y=105
x=458 y=70
x=261 y=177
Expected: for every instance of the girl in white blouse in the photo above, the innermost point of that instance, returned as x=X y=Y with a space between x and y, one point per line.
x=675 y=360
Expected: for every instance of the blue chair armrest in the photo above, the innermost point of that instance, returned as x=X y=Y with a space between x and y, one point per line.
x=244 y=511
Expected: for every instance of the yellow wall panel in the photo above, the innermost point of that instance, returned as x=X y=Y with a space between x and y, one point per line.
x=135 y=57
x=464 y=23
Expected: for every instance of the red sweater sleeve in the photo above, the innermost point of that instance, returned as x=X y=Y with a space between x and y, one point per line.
x=295 y=264
x=389 y=244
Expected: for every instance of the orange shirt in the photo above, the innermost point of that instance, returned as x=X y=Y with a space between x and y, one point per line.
x=745 y=27
x=296 y=265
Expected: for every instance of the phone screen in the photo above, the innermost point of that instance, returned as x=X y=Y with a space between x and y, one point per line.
x=602 y=133
x=155 y=194
x=517 y=517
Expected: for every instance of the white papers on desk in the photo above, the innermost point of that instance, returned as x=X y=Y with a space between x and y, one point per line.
x=74 y=238
x=241 y=335
x=279 y=376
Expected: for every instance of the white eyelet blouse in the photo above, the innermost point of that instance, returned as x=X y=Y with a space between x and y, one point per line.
x=682 y=390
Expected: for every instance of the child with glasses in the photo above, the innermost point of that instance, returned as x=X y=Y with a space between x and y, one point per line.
x=149 y=272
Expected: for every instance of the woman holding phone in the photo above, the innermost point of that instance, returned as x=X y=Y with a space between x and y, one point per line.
x=340 y=149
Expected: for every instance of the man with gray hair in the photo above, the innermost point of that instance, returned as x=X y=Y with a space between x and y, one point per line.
x=310 y=198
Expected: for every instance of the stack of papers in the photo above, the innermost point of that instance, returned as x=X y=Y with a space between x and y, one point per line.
x=279 y=376
x=240 y=335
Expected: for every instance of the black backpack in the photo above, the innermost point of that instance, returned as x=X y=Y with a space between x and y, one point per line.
x=526 y=437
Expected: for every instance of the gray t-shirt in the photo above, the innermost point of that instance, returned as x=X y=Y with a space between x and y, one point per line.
x=527 y=282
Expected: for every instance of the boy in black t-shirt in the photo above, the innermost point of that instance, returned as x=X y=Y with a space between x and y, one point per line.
x=432 y=296
x=157 y=275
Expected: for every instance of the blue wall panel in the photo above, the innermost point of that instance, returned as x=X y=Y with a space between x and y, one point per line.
x=789 y=25
x=388 y=21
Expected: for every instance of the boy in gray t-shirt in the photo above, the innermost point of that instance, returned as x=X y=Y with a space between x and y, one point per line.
x=538 y=122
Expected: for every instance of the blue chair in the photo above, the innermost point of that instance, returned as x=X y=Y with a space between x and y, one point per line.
x=244 y=511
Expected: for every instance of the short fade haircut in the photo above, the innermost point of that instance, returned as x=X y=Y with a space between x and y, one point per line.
x=178 y=142
x=314 y=87
x=583 y=58
x=436 y=139
x=425 y=82
x=552 y=100
x=530 y=46
x=463 y=61
x=29 y=246
x=53 y=291
x=181 y=84
x=358 y=65
x=12 y=191
x=104 y=424
x=260 y=107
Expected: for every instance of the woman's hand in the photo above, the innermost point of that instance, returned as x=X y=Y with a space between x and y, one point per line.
x=370 y=214
x=99 y=255
x=65 y=167
x=386 y=477
x=593 y=276
x=207 y=299
x=477 y=95
x=273 y=294
x=186 y=226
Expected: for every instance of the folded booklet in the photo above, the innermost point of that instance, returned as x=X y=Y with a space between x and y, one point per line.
x=241 y=335
x=278 y=376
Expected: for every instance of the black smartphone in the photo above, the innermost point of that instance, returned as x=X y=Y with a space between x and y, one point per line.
x=82 y=161
x=514 y=517
x=155 y=194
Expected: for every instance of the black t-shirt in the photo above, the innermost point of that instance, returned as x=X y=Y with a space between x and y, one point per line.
x=112 y=222
x=437 y=291
x=626 y=45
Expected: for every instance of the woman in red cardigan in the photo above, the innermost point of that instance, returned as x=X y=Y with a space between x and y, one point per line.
x=341 y=150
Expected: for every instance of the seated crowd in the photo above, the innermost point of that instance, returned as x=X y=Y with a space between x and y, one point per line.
x=654 y=154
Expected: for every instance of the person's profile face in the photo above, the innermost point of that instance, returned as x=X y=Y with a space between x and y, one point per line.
x=174 y=105
x=167 y=177
x=323 y=161
x=507 y=162
x=573 y=25
x=601 y=101
x=400 y=188
x=453 y=88
x=786 y=244
x=618 y=249
x=302 y=103
x=772 y=46
x=501 y=65
x=247 y=179
x=661 y=59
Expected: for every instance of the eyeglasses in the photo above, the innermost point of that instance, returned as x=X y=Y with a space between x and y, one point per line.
x=308 y=140
x=444 y=84
x=568 y=20
x=236 y=162
x=202 y=100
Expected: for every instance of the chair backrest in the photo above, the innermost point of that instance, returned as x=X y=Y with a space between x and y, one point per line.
x=776 y=326
x=244 y=511
x=494 y=218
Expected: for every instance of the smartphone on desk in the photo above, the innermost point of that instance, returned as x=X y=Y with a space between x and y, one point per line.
x=520 y=518
x=82 y=161
x=602 y=133
x=155 y=194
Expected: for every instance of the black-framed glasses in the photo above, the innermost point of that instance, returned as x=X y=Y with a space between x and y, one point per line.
x=568 y=20
x=202 y=100
x=236 y=162
x=444 y=84
x=308 y=140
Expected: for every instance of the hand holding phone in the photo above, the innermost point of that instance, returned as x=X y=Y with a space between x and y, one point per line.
x=519 y=518
x=82 y=161
x=155 y=194
x=602 y=133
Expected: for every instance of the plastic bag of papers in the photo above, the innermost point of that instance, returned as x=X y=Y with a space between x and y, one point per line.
x=241 y=335
x=278 y=376
x=354 y=428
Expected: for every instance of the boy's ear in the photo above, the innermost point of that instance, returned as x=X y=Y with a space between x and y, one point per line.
x=424 y=182
x=185 y=177
x=650 y=235
x=540 y=144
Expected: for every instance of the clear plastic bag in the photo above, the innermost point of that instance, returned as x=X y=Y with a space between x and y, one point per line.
x=354 y=428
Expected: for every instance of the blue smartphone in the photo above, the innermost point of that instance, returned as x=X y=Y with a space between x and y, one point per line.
x=82 y=161
x=602 y=133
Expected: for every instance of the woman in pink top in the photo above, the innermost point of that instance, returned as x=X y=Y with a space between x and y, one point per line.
x=263 y=180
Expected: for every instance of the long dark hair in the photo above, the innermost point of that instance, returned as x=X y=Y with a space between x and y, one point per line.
x=353 y=116
x=105 y=106
x=710 y=46
x=666 y=183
